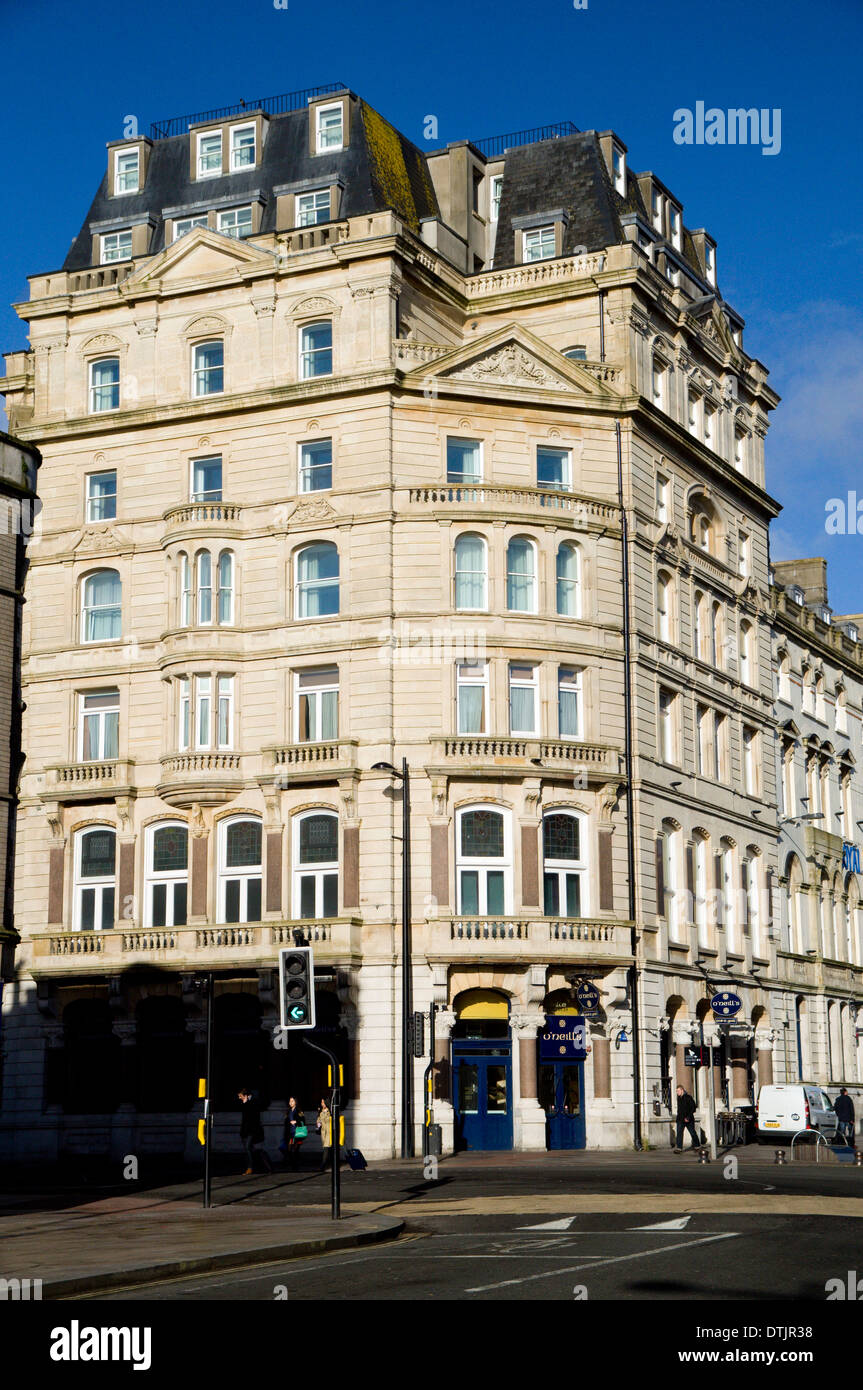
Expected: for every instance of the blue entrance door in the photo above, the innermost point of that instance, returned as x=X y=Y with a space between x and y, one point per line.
x=482 y=1096
x=561 y=1090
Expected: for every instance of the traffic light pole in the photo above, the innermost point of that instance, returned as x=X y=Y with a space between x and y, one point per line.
x=208 y=1103
x=335 y=1100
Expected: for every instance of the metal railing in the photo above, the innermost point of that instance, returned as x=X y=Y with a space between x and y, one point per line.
x=496 y=144
x=274 y=106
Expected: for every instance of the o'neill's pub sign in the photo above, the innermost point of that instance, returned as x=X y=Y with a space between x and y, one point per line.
x=851 y=859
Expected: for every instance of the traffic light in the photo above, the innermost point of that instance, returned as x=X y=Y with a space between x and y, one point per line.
x=297 y=987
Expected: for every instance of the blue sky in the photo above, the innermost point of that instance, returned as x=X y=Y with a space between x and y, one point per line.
x=788 y=226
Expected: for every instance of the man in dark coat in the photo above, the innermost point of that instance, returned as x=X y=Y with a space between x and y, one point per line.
x=252 y=1131
x=844 y=1107
x=685 y=1119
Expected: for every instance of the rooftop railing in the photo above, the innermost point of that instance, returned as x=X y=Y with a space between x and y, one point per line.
x=275 y=106
x=496 y=144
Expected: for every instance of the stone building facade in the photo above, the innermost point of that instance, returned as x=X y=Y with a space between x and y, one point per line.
x=339 y=436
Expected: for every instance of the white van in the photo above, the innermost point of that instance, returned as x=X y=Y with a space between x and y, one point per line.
x=784 y=1110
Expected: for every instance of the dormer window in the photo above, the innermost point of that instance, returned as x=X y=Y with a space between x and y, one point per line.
x=824 y=613
x=674 y=226
x=618 y=169
x=853 y=631
x=329 y=128
x=209 y=161
x=313 y=208
x=656 y=210
x=795 y=593
x=127 y=171
x=494 y=197
x=183 y=225
x=116 y=246
x=539 y=244
x=710 y=262
x=235 y=222
x=242 y=147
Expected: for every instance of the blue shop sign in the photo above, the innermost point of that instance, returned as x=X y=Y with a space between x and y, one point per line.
x=725 y=1004
x=564 y=1037
x=851 y=859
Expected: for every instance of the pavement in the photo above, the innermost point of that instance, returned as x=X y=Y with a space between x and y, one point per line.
x=88 y=1234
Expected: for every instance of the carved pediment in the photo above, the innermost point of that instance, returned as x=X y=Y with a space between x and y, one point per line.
x=103 y=342
x=315 y=509
x=314 y=304
x=201 y=254
x=511 y=356
x=99 y=540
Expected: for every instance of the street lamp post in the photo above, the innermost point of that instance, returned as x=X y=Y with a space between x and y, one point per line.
x=407 y=1128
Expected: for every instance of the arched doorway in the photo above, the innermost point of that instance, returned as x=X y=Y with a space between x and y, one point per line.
x=482 y=1070
x=561 y=1074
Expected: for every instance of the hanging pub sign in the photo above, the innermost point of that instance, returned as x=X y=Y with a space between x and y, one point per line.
x=564 y=1038
x=725 y=1004
x=588 y=997
x=851 y=859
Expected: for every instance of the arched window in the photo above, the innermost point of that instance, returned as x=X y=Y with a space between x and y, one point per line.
x=698 y=624
x=226 y=588
x=316 y=350
x=663 y=606
x=104 y=385
x=167 y=874
x=730 y=916
x=751 y=891
x=483 y=862
x=317 y=580
x=820 y=709
x=704 y=920
x=204 y=586
x=795 y=903
x=564 y=864
x=208 y=368
x=826 y=915
x=841 y=710
x=808 y=683
x=784 y=676
x=568 y=580
x=316 y=864
x=746 y=661
x=185 y=591
x=717 y=636
x=240 y=869
x=471 y=574
x=521 y=575
x=670 y=899
x=101 y=597
x=95 y=878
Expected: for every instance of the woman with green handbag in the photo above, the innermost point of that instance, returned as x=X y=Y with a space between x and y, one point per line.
x=295 y=1132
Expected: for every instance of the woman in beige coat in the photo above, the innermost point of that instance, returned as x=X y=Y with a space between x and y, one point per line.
x=325 y=1127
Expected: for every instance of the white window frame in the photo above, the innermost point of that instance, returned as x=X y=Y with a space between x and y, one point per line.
x=482 y=607
x=479 y=676
x=565 y=484
x=234 y=149
x=667 y=711
x=110 y=243
x=220 y=589
x=317 y=871
x=322 y=146
x=312 y=197
x=87 y=608
x=522 y=682
x=98 y=883
x=464 y=481
x=90 y=500
x=99 y=715
x=312 y=695
x=306 y=472
x=570 y=685
x=494 y=196
x=664 y=599
x=574 y=549
x=200 y=375
x=675 y=224
x=183 y=225
x=244 y=872
x=307 y=354
x=302 y=587
x=561 y=867
x=663 y=499
x=751 y=761
x=195 y=496
x=537 y=238
x=125 y=154
x=232 y=229
x=659 y=370
x=483 y=865
x=200 y=171
x=168 y=877
x=93 y=388
x=534 y=576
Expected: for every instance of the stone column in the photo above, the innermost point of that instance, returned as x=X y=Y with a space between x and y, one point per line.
x=198 y=848
x=601 y=1068
x=764 y=1057
x=683 y=1075
x=739 y=1052
x=529 y=1116
x=264 y=308
x=124 y=1124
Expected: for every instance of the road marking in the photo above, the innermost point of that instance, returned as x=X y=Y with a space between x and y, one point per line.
x=679 y=1223
x=562 y=1225
x=612 y=1260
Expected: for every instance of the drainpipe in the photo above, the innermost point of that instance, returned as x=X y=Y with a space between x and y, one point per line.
x=630 y=806
x=15 y=757
x=602 y=326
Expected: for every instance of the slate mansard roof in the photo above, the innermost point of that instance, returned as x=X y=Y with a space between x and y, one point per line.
x=379 y=169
